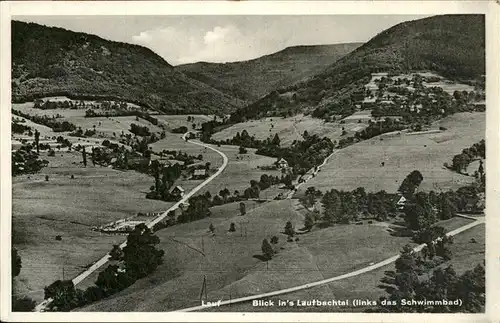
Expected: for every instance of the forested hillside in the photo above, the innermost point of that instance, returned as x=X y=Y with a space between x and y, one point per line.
x=54 y=61
x=249 y=80
x=451 y=45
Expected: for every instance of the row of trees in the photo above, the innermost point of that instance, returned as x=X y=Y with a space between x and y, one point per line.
x=302 y=155
x=74 y=104
x=51 y=122
x=373 y=129
x=138 y=259
x=345 y=207
x=137 y=130
x=425 y=208
x=246 y=141
x=83 y=134
x=462 y=160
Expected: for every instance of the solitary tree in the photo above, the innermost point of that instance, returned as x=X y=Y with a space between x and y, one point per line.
x=274 y=240
x=211 y=228
x=93 y=156
x=84 y=156
x=232 y=227
x=289 y=229
x=308 y=222
x=116 y=253
x=267 y=249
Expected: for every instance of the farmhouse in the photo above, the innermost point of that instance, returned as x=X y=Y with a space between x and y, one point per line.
x=199 y=174
x=282 y=163
x=178 y=191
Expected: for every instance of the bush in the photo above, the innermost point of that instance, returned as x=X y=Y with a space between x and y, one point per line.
x=24 y=304
x=274 y=240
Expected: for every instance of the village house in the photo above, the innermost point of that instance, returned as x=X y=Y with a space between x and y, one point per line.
x=401 y=203
x=282 y=163
x=177 y=191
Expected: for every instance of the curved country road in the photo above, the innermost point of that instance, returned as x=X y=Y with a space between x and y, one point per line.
x=329 y=280
x=101 y=262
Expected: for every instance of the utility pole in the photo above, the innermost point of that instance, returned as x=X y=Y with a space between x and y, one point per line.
x=205 y=282
x=203 y=288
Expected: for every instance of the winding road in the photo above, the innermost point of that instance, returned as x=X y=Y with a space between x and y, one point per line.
x=101 y=262
x=383 y=263
x=104 y=260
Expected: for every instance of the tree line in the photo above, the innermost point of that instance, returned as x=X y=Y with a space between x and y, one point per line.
x=373 y=129
x=51 y=122
x=468 y=155
x=412 y=280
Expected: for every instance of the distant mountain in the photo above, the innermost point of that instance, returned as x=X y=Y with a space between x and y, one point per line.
x=249 y=80
x=54 y=61
x=450 y=45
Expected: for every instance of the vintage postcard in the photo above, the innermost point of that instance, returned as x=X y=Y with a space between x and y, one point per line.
x=256 y=161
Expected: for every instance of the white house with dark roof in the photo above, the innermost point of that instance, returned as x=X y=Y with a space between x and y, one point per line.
x=178 y=191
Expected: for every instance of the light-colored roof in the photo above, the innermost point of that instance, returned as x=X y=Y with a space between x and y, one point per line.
x=199 y=172
x=282 y=161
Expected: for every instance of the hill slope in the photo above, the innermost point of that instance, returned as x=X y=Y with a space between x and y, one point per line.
x=249 y=80
x=451 y=45
x=55 y=61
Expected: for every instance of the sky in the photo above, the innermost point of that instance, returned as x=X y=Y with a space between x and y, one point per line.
x=189 y=39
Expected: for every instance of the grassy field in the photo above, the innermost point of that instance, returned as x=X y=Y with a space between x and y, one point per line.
x=360 y=164
x=289 y=129
x=241 y=169
x=104 y=126
x=175 y=121
x=69 y=207
x=465 y=255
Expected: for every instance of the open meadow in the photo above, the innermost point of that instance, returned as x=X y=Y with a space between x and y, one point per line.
x=176 y=121
x=465 y=256
x=359 y=165
x=241 y=169
x=230 y=260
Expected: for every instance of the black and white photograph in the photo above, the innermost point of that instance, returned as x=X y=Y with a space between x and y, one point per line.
x=237 y=163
